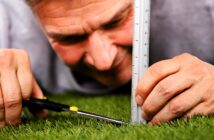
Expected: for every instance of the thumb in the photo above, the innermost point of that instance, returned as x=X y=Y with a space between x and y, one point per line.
x=37 y=93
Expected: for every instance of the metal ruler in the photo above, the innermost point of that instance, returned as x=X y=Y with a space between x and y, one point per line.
x=140 y=53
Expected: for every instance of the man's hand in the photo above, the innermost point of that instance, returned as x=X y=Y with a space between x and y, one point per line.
x=179 y=87
x=16 y=83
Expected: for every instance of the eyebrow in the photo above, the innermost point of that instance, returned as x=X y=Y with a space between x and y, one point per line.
x=68 y=38
x=63 y=37
x=118 y=14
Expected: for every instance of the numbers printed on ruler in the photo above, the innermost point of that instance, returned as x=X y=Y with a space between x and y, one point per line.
x=140 y=51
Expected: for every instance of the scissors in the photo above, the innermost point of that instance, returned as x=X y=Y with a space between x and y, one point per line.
x=34 y=103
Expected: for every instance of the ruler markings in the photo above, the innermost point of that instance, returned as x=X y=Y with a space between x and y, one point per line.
x=140 y=51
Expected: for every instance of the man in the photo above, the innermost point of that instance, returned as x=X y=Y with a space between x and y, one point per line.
x=94 y=38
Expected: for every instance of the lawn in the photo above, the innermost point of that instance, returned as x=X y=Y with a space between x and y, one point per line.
x=71 y=127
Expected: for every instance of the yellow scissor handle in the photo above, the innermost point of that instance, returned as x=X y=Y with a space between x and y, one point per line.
x=73 y=108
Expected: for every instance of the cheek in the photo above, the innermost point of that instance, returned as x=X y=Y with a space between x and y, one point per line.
x=70 y=55
x=124 y=35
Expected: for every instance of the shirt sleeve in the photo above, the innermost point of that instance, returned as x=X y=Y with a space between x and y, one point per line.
x=4 y=27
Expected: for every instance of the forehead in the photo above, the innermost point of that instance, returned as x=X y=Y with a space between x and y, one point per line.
x=60 y=13
x=51 y=7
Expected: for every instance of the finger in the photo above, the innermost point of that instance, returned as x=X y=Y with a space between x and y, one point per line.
x=163 y=92
x=24 y=74
x=36 y=90
x=207 y=106
x=2 y=122
x=179 y=105
x=204 y=108
x=153 y=75
x=37 y=93
x=11 y=96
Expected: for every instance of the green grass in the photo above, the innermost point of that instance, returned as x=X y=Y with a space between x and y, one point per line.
x=71 y=127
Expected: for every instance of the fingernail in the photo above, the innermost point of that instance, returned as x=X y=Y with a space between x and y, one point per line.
x=150 y=123
x=154 y=122
x=144 y=115
x=139 y=100
x=14 y=122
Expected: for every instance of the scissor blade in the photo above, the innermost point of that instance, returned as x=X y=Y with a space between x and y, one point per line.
x=100 y=117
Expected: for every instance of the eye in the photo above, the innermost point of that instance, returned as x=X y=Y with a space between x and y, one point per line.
x=71 y=39
x=112 y=24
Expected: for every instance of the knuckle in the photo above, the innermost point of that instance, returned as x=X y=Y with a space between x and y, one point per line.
x=208 y=108
x=6 y=58
x=164 y=90
x=6 y=53
x=208 y=95
x=159 y=68
x=198 y=74
x=205 y=70
x=148 y=109
x=140 y=90
x=26 y=94
x=23 y=53
x=24 y=57
x=12 y=92
x=187 y=57
x=12 y=104
x=184 y=55
x=155 y=121
x=155 y=70
x=175 y=108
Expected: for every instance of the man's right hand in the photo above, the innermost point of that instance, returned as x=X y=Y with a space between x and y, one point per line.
x=16 y=83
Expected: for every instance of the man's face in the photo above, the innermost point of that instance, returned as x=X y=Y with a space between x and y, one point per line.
x=93 y=37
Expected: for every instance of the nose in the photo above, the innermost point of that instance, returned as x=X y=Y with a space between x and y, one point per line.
x=100 y=52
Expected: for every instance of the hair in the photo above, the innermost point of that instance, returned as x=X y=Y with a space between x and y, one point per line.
x=32 y=3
